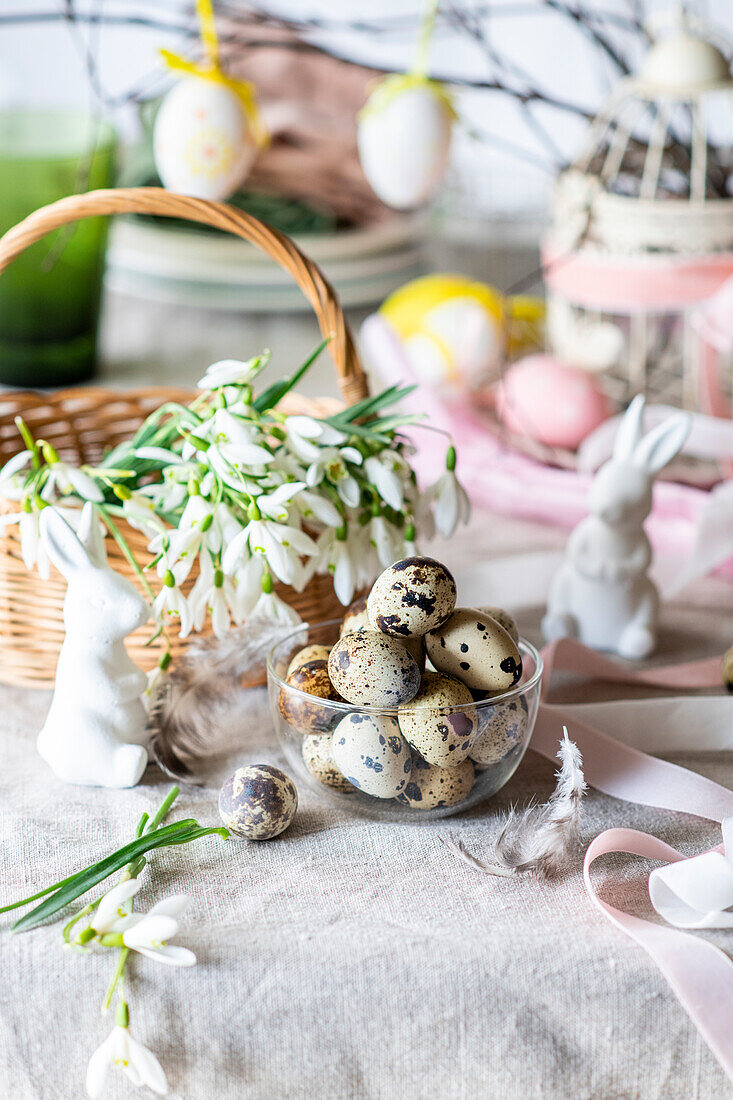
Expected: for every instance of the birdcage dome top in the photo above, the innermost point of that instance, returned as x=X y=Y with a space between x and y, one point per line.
x=682 y=65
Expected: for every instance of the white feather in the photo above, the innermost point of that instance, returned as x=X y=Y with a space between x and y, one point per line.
x=541 y=838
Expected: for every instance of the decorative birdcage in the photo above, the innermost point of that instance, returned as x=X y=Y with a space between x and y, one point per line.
x=642 y=227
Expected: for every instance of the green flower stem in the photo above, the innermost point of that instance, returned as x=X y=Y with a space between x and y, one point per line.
x=163 y=809
x=116 y=978
x=122 y=543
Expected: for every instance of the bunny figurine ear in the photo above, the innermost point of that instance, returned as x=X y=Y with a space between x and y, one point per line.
x=662 y=443
x=91 y=536
x=61 y=541
x=630 y=429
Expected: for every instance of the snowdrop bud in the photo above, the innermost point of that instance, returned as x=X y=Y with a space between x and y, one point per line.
x=410 y=532
x=85 y=936
x=450 y=459
x=218 y=578
x=267 y=585
x=376 y=510
x=122 y=1014
x=278 y=433
x=27 y=506
x=253 y=511
x=194 y=489
x=207 y=521
x=122 y=492
x=342 y=533
x=50 y=453
x=165 y=660
x=168 y=579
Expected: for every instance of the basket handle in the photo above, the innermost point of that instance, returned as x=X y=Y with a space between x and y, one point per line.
x=155 y=200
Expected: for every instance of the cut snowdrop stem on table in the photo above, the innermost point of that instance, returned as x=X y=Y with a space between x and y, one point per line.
x=121 y=1051
x=540 y=838
x=236 y=493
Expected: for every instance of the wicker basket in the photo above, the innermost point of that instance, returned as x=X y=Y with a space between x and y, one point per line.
x=82 y=424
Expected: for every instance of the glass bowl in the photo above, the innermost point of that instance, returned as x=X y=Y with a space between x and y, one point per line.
x=304 y=723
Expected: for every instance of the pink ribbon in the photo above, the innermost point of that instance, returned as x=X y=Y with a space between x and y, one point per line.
x=700 y=974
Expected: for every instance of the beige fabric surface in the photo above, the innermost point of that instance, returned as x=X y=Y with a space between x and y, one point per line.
x=353 y=959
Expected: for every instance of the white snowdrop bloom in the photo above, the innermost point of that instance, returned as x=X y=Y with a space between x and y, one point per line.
x=32 y=546
x=231 y=372
x=139 y=512
x=169 y=494
x=64 y=479
x=385 y=538
x=344 y=569
x=11 y=484
x=235 y=451
x=149 y=936
x=111 y=914
x=199 y=528
x=273 y=504
x=331 y=464
x=313 y=506
x=212 y=592
x=281 y=545
x=384 y=472
x=271 y=608
x=248 y=582
x=451 y=505
x=120 y=1051
x=171 y=601
x=306 y=436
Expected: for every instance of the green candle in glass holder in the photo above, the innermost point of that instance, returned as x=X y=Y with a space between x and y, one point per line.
x=50 y=295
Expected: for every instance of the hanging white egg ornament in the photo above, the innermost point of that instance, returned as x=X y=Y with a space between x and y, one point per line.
x=203 y=139
x=404 y=136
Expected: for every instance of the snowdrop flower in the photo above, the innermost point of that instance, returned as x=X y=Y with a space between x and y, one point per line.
x=381 y=471
x=32 y=547
x=66 y=479
x=273 y=504
x=331 y=464
x=248 y=581
x=120 y=1051
x=343 y=567
x=385 y=538
x=302 y=431
x=139 y=512
x=280 y=543
x=312 y=506
x=235 y=451
x=11 y=484
x=215 y=593
x=171 y=601
x=197 y=530
x=111 y=915
x=271 y=608
x=149 y=935
x=451 y=505
x=232 y=372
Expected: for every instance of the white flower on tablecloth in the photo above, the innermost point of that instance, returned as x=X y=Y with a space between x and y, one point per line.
x=230 y=372
x=331 y=464
x=308 y=436
x=148 y=934
x=383 y=472
x=111 y=915
x=120 y=1051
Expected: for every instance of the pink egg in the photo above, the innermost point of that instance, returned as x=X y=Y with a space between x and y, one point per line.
x=542 y=398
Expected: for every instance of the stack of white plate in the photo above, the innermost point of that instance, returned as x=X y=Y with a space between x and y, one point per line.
x=188 y=267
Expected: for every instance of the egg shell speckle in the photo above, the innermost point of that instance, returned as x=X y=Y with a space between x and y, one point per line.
x=476 y=649
x=501 y=729
x=429 y=787
x=503 y=618
x=373 y=669
x=371 y=752
x=258 y=802
x=356 y=617
x=441 y=735
x=313 y=652
x=411 y=597
x=308 y=716
x=318 y=758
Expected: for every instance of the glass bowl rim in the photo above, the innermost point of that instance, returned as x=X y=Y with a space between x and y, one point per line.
x=347 y=708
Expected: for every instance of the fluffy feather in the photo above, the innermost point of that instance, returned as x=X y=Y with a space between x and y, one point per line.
x=540 y=838
x=189 y=704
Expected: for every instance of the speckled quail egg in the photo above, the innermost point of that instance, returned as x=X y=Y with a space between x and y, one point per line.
x=258 y=802
x=501 y=728
x=356 y=617
x=373 y=669
x=476 y=649
x=503 y=618
x=429 y=787
x=411 y=597
x=441 y=735
x=318 y=758
x=371 y=752
x=312 y=652
x=309 y=715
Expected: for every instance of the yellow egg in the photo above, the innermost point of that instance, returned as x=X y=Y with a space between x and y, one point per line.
x=452 y=329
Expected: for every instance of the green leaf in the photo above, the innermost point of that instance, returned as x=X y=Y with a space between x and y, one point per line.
x=270 y=397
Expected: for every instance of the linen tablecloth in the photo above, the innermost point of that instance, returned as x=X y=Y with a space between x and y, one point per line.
x=348 y=958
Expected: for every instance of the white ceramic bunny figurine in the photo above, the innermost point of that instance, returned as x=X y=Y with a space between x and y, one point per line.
x=95 y=731
x=602 y=594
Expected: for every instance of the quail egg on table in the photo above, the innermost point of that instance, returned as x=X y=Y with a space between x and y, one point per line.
x=501 y=728
x=313 y=652
x=429 y=787
x=308 y=715
x=258 y=802
x=411 y=597
x=372 y=669
x=476 y=649
x=318 y=758
x=503 y=618
x=371 y=752
x=441 y=735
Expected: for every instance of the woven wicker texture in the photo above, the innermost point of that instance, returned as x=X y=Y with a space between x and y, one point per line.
x=82 y=424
